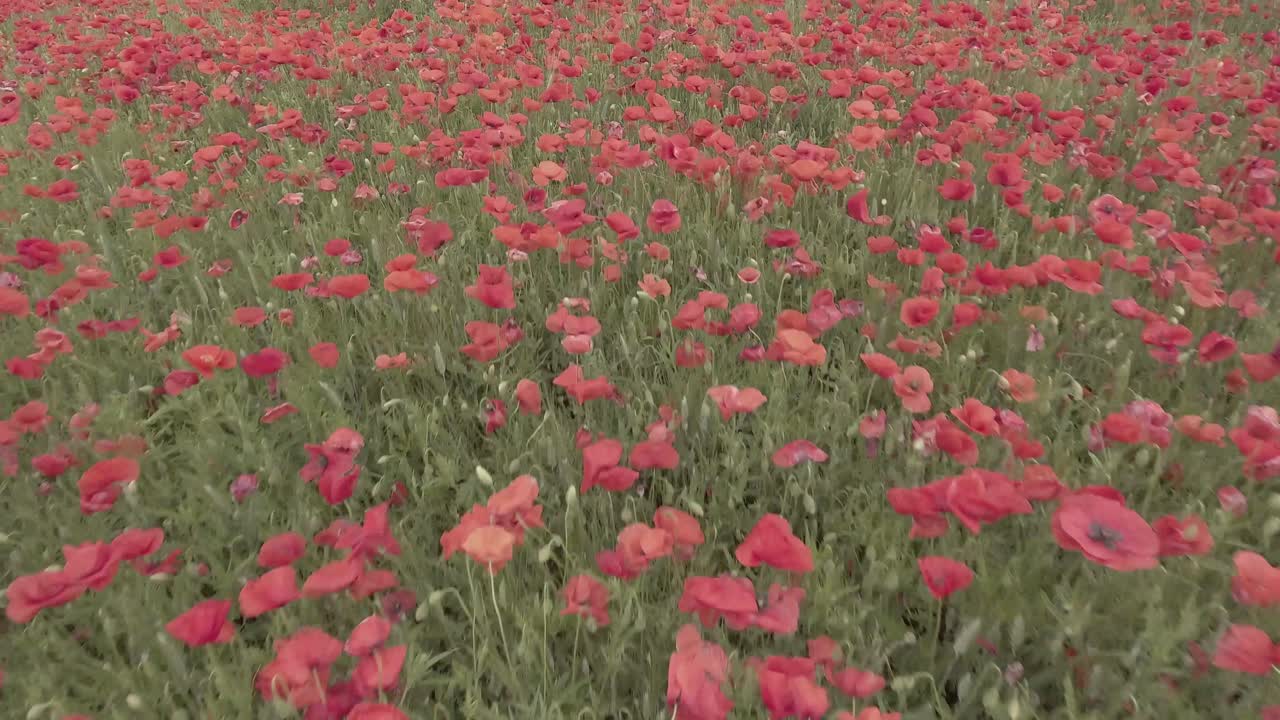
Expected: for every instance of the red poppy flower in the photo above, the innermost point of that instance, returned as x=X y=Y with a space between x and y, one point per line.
x=789 y=690
x=274 y=589
x=696 y=675
x=332 y=577
x=586 y=596
x=379 y=671
x=204 y=624
x=913 y=386
x=264 y=363
x=368 y=636
x=100 y=485
x=686 y=533
x=1185 y=536
x=294 y=281
x=14 y=303
x=663 y=217
x=280 y=550
x=529 y=397
x=796 y=452
x=651 y=454
x=490 y=546
x=918 y=311
x=1106 y=532
x=27 y=595
x=348 y=286
x=133 y=544
x=1020 y=386
x=375 y=711
x=732 y=400
x=601 y=466
x=1246 y=649
x=780 y=610
x=300 y=671
x=494 y=288
x=204 y=359
x=944 y=576
x=91 y=564
x=858 y=209
x=772 y=543
x=854 y=682
x=1256 y=582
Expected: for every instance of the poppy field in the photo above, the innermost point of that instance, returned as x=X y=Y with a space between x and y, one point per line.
x=618 y=359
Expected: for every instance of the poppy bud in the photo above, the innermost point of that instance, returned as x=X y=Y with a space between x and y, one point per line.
x=484 y=477
x=133 y=701
x=438 y=356
x=966 y=636
x=1142 y=457
x=991 y=699
x=1121 y=385
x=1270 y=528
x=904 y=683
x=1017 y=632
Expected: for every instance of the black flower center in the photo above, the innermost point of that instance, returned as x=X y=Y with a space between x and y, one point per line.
x=1100 y=533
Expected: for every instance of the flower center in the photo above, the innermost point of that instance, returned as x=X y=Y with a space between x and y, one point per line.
x=1101 y=534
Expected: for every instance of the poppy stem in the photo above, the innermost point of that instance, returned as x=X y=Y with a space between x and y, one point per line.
x=493 y=594
x=577 y=632
x=937 y=630
x=475 y=630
